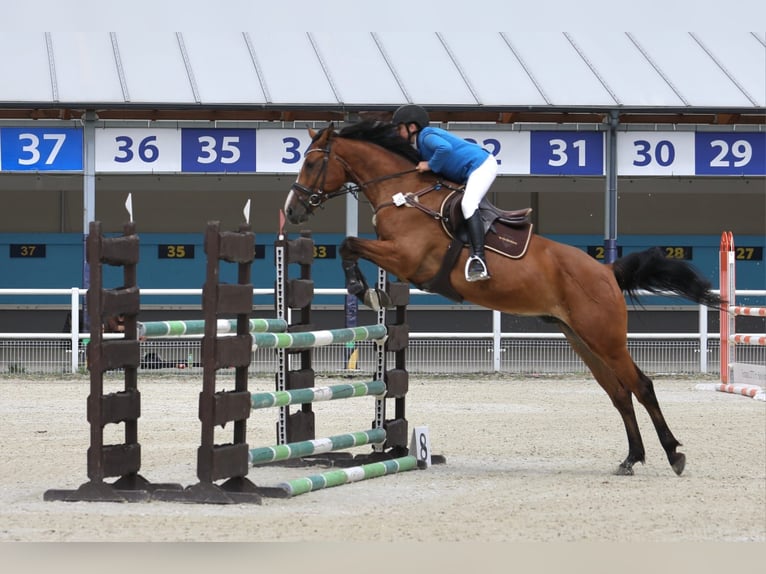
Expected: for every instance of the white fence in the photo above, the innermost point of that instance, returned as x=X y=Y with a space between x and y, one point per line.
x=429 y=352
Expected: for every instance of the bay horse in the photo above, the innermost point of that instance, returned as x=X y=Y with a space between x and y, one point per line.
x=552 y=280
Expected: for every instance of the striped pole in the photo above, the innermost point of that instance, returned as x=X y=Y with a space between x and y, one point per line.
x=289 y=451
x=749 y=311
x=743 y=339
x=197 y=327
x=346 y=475
x=751 y=391
x=309 y=339
x=316 y=394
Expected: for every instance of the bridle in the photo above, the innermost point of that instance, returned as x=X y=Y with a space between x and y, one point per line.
x=314 y=196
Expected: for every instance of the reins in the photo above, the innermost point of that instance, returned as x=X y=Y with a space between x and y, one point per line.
x=412 y=199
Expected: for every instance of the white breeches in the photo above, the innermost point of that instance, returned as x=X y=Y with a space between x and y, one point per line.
x=478 y=185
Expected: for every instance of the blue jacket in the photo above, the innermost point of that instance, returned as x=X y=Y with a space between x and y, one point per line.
x=448 y=155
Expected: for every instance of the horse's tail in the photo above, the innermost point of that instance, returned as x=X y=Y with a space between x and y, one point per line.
x=650 y=270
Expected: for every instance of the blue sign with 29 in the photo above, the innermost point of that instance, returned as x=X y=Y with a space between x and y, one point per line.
x=731 y=153
x=41 y=149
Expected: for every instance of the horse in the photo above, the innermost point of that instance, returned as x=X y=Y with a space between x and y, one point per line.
x=557 y=282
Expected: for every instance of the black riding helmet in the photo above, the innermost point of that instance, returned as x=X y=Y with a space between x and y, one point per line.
x=411 y=113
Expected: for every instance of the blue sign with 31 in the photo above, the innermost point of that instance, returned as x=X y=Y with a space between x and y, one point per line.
x=567 y=153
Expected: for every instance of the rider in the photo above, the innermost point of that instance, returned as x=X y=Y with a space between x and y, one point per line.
x=459 y=161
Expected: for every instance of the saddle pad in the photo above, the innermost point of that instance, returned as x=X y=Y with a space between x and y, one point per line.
x=509 y=241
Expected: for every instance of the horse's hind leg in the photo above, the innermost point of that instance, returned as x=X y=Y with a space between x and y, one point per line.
x=620 y=377
x=620 y=396
x=645 y=394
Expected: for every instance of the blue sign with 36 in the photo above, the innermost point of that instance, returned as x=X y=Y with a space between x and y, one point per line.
x=41 y=149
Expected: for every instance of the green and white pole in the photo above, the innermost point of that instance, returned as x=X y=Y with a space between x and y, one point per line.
x=308 y=339
x=197 y=327
x=316 y=394
x=346 y=475
x=262 y=455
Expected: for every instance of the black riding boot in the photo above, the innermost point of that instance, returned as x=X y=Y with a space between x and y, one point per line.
x=476 y=266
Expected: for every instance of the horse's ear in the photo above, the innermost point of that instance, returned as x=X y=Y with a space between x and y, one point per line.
x=312 y=133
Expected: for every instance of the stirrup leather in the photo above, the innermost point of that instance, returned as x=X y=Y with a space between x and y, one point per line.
x=476 y=269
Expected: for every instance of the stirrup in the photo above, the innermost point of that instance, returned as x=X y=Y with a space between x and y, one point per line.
x=475 y=272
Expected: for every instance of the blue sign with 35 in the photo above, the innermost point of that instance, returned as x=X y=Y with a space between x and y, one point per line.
x=217 y=150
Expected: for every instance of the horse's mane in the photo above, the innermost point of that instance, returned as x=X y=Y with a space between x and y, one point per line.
x=383 y=134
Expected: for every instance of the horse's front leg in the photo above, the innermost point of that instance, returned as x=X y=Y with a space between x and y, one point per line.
x=351 y=250
x=355 y=281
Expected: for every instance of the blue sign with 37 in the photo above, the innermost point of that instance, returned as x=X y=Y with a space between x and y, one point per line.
x=217 y=150
x=41 y=149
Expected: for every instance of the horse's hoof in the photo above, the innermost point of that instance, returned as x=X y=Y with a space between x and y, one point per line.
x=624 y=470
x=678 y=463
x=376 y=299
x=372 y=300
x=385 y=300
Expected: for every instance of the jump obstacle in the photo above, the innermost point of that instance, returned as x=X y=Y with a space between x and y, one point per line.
x=231 y=461
x=736 y=378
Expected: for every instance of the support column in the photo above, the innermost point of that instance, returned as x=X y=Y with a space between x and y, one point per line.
x=610 y=226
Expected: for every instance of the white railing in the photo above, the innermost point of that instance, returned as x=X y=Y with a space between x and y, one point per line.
x=429 y=350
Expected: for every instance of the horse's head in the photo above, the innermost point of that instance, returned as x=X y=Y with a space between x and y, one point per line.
x=322 y=176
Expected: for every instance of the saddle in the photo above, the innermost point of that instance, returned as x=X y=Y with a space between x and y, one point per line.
x=506 y=232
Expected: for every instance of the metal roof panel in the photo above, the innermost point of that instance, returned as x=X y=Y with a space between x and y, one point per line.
x=27 y=78
x=154 y=68
x=691 y=71
x=428 y=74
x=223 y=68
x=85 y=67
x=743 y=57
x=357 y=68
x=291 y=68
x=495 y=73
x=563 y=76
x=612 y=54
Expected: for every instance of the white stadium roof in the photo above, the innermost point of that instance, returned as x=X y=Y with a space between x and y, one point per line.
x=273 y=69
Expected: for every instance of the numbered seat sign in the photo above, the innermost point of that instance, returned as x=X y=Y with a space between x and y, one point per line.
x=281 y=150
x=691 y=153
x=41 y=149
